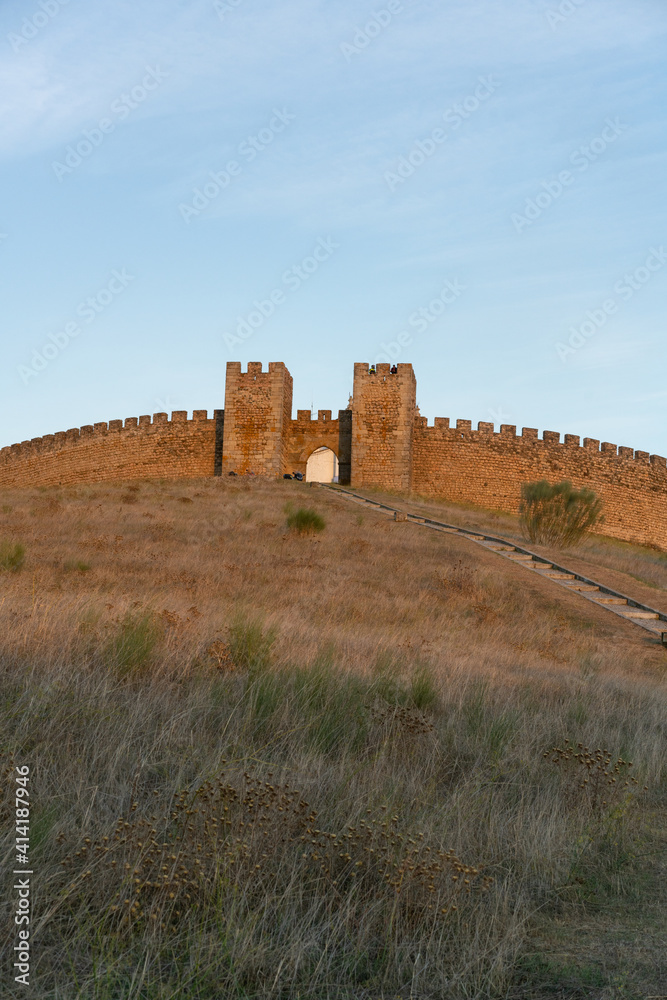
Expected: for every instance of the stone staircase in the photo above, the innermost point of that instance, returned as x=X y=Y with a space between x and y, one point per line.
x=652 y=621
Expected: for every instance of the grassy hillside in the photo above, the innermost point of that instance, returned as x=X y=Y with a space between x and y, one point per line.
x=365 y=762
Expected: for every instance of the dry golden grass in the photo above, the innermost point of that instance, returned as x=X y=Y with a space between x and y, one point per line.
x=637 y=569
x=277 y=765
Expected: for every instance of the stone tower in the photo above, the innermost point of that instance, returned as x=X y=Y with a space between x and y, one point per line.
x=383 y=413
x=258 y=412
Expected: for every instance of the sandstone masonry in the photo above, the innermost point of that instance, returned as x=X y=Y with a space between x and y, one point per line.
x=380 y=442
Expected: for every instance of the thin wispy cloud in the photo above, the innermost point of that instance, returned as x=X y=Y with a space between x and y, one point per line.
x=361 y=114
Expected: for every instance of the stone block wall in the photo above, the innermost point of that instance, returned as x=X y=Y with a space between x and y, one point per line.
x=305 y=435
x=380 y=442
x=137 y=448
x=258 y=414
x=383 y=409
x=487 y=469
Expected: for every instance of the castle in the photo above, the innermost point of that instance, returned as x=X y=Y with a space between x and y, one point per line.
x=379 y=441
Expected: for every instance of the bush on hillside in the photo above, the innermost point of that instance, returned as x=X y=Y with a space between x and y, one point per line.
x=557 y=513
x=305 y=521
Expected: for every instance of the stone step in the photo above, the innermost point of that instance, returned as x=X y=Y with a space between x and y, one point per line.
x=649 y=620
x=635 y=613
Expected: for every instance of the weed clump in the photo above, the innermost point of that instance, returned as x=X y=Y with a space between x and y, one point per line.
x=594 y=778
x=12 y=557
x=250 y=644
x=305 y=521
x=221 y=656
x=241 y=836
x=557 y=513
x=76 y=565
x=130 y=650
x=461 y=579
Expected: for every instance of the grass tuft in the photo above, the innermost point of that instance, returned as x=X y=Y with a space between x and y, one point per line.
x=305 y=521
x=250 y=644
x=12 y=556
x=76 y=565
x=129 y=652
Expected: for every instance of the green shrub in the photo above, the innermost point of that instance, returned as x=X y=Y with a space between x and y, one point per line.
x=305 y=521
x=11 y=556
x=129 y=651
x=250 y=644
x=558 y=514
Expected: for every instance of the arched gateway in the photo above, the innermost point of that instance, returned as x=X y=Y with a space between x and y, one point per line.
x=322 y=466
x=380 y=441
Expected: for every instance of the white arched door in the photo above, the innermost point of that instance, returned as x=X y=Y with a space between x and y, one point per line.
x=322 y=467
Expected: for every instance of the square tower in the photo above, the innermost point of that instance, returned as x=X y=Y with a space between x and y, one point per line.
x=258 y=411
x=383 y=413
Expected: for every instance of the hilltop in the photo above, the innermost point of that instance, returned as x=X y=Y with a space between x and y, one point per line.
x=394 y=686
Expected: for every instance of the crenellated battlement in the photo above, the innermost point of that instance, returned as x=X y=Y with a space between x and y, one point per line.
x=137 y=447
x=383 y=416
x=362 y=372
x=258 y=407
x=306 y=417
x=143 y=425
x=380 y=440
x=486 y=430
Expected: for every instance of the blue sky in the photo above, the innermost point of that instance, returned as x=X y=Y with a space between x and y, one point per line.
x=476 y=187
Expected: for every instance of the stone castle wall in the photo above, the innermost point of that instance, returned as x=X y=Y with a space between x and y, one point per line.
x=305 y=435
x=382 y=427
x=136 y=448
x=258 y=412
x=380 y=443
x=487 y=469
